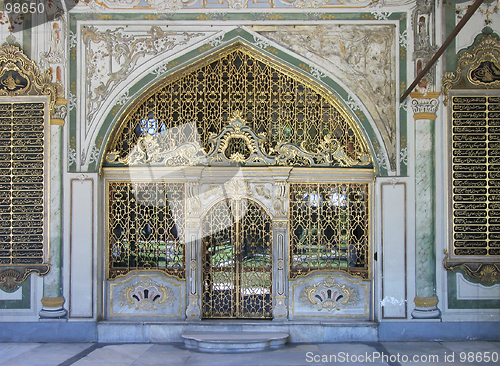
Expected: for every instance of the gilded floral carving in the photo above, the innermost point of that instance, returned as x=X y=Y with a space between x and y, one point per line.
x=146 y=295
x=329 y=295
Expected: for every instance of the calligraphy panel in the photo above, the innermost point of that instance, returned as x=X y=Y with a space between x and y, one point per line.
x=475 y=169
x=23 y=197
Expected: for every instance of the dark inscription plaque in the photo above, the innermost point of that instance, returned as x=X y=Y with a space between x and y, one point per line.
x=476 y=175
x=22 y=176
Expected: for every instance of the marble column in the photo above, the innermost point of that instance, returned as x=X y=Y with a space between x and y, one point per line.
x=424 y=109
x=53 y=300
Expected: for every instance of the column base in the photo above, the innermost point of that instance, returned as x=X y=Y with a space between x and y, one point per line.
x=193 y=311
x=280 y=311
x=53 y=309
x=426 y=308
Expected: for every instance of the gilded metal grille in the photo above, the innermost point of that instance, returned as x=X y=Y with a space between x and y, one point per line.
x=146 y=227
x=476 y=175
x=237 y=270
x=22 y=173
x=329 y=228
x=273 y=101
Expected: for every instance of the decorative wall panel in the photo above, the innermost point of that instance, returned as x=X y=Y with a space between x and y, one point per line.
x=476 y=175
x=475 y=291
x=330 y=294
x=177 y=5
x=81 y=290
x=146 y=294
x=474 y=126
x=394 y=278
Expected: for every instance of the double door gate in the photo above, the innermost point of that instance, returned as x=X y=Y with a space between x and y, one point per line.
x=237 y=261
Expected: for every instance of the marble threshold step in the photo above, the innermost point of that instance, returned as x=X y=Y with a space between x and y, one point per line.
x=233 y=341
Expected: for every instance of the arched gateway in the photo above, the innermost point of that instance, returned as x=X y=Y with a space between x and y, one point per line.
x=237 y=188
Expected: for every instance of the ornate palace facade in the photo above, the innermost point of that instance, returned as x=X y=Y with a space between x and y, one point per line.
x=206 y=165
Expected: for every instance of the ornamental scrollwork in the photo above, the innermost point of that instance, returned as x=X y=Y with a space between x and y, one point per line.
x=424 y=105
x=12 y=278
x=128 y=50
x=329 y=152
x=485 y=273
x=478 y=68
x=237 y=143
x=151 y=150
x=21 y=76
x=329 y=295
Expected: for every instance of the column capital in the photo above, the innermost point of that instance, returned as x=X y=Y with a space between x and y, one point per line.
x=424 y=105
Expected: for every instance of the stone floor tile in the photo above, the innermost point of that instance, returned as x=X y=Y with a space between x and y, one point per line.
x=165 y=354
x=298 y=347
x=11 y=350
x=47 y=354
x=473 y=346
x=351 y=348
x=120 y=353
x=84 y=362
x=263 y=358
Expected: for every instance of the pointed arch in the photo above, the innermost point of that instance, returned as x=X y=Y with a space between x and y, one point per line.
x=298 y=122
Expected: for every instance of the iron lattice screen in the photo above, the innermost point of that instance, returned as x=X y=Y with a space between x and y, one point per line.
x=274 y=103
x=237 y=270
x=329 y=228
x=476 y=175
x=146 y=227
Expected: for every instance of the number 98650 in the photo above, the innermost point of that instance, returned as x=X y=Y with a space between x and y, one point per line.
x=24 y=7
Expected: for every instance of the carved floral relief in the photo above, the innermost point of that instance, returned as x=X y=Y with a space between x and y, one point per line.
x=329 y=295
x=112 y=54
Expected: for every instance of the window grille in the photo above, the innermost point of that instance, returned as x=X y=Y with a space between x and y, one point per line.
x=146 y=228
x=329 y=228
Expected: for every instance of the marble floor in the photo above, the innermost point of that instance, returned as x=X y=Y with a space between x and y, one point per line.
x=382 y=353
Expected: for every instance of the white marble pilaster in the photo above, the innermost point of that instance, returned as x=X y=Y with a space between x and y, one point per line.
x=424 y=108
x=280 y=310
x=53 y=300
x=193 y=252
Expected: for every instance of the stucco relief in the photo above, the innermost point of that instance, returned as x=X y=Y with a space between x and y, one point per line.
x=112 y=54
x=146 y=294
x=329 y=294
x=361 y=56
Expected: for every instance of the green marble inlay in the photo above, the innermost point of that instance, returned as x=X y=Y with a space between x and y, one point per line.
x=454 y=303
x=24 y=303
